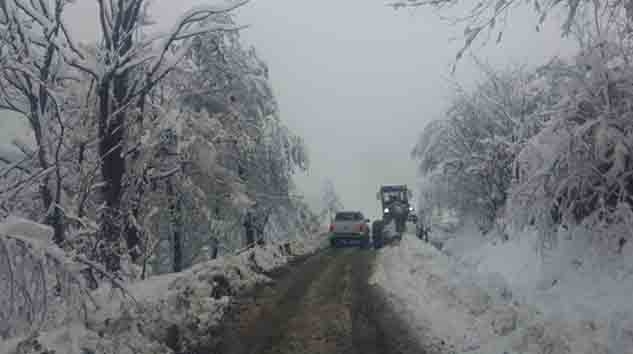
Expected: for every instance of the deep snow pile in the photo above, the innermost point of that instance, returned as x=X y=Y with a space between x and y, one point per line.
x=578 y=277
x=179 y=312
x=491 y=299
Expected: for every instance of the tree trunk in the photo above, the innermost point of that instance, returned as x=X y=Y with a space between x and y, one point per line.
x=249 y=229
x=260 y=228
x=214 y=248
x=108 y=236
x=113 y=99
x=56 y=220
x=53 y=214
x=111 y=152
x=111 y=133
x=133 y=236
x=176 y=223
x=133 y=239
x=214 y=252
x=177 y=250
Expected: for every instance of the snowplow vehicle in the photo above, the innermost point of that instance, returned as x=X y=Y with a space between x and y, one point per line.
x=396 y=210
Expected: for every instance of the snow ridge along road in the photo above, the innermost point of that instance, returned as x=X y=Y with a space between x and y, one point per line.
x=322 y=304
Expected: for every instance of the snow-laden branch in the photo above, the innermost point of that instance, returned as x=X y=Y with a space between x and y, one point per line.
x=14 y=165
x=415 y=3
x=36 y=274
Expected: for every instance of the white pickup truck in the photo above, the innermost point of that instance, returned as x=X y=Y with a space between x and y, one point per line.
x=349 y=228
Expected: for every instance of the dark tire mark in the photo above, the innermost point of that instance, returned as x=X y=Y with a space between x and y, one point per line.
x=258 y=318
x=367 y=335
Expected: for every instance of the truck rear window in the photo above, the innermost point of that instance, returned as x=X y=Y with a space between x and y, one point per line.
x=348 y=217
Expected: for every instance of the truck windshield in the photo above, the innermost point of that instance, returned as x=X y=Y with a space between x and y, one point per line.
x=392 y=196
x=348 y=216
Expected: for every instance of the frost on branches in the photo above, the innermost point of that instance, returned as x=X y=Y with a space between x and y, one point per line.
x=148 y=151
x=555 y=142
x=41 y=287
x=466 y=159
x=228 y=81
x=578 y=169
x=546 y=149
x=330 y=201
x=87 y=107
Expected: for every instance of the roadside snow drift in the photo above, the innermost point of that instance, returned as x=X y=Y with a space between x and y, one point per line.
x=179 y=312
x=461 y=306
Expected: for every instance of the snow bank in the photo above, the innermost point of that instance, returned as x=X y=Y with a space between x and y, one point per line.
x=416 y=278
x=498 y=299
x=179 y=312
x=310 y=243
x=39 y=234
x=271 y=256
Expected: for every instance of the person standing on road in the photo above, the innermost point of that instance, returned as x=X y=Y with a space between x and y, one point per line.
x=422 y=230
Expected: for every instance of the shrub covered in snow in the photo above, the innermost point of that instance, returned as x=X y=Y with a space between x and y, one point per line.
x=466 y=159
x=40 y=287
x=578 y=169
x=560 y=255
x=168 y=163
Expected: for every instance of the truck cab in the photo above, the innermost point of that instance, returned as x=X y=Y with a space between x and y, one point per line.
x=349 y=228
x=394 y=201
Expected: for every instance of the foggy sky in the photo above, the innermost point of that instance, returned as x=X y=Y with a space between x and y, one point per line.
x=358 y=80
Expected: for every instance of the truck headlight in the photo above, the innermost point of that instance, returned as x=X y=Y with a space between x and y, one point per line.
x=410 y=208
x=386 y=210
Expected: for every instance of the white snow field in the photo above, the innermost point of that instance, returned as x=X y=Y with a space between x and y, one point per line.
x=475 y=296
x=186 y=305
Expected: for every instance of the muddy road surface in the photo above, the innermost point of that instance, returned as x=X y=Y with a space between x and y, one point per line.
x=320 y=305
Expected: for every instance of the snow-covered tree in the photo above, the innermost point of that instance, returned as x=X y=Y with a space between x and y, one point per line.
x=569 y=161
x=149 y=149
x=33 y=76
x=235 y=155
x=466 y=159
x=126 y=67
x=578 y=169
x=153 y=146
x=225 y=76
x=331 y=203
x=487 y=20
x=126 y=64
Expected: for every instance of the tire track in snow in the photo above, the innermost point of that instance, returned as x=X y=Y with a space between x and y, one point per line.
x=323 y=305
